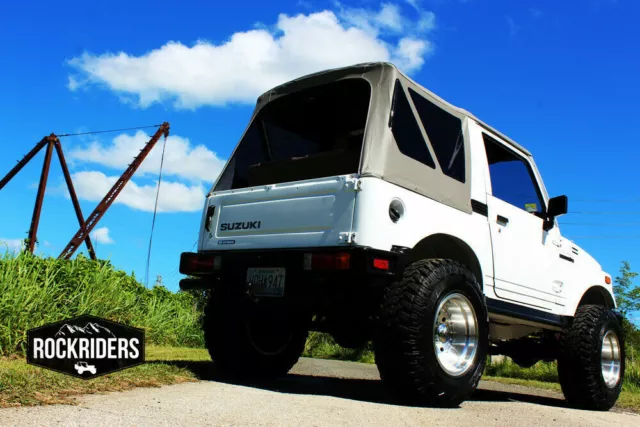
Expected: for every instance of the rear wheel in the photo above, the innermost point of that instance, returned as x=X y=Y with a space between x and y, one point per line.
x=592 y=360
x=431 y=341
x=253 y=340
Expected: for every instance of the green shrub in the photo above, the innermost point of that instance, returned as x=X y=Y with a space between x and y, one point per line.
x=323 y=346
x=547 y=372
x=35 y=291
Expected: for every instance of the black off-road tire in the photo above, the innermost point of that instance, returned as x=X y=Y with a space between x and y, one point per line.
x=579 y=363
x=255 y=343
x=403 y=342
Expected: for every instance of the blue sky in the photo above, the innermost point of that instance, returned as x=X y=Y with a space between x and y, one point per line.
x=559 y=77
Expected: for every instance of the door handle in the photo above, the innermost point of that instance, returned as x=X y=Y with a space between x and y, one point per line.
x=502 y=220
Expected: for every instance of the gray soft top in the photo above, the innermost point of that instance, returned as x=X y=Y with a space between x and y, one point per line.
x=381 y=157
x=367 y=67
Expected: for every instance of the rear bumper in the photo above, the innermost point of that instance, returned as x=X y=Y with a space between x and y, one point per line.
x=231 y=266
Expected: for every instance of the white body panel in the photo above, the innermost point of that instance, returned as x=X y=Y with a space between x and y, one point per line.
x=312 y=213
x=423 y=217
x=521 y=277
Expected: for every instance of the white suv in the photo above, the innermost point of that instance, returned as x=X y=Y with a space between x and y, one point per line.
x=360 y=204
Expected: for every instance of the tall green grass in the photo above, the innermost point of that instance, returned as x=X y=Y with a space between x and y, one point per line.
x=35 y=291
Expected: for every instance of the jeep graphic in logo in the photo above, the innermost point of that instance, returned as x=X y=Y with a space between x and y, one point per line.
x=248 y=225
x=85 y=347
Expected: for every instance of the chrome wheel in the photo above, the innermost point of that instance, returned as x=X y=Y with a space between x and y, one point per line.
x=455 y=334
x=610 y=360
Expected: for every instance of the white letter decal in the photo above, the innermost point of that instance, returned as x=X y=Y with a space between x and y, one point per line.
x=83 y=351
x=134 y=353
x=49 y=348
x=111 y=352
x=60 y=354
x=38 y=351
x=122 y=348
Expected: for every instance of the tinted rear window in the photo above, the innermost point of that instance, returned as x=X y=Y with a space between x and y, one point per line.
x=313 y=133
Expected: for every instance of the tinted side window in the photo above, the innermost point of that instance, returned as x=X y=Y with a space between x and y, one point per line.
x=511 y=178
x=445 y=135
x=406 y=130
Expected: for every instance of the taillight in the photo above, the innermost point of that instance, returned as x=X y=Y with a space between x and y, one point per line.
x=331 y=261
x=381 y=264
x=193 y=263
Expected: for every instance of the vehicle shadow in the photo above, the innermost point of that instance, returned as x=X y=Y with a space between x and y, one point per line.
x=366 y=390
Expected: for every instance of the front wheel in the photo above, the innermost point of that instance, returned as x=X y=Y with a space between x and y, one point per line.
x=432 y=337
x=592 y=360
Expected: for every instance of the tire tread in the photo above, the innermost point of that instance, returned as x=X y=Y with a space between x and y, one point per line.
x=400 y=362
x=579 y=367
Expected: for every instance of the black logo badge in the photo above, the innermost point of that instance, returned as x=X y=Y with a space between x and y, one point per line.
x=85 y=347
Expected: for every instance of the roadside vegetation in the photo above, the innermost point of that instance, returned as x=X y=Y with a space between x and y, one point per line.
x=547 y=372
x=323 y=346
x=35 y=291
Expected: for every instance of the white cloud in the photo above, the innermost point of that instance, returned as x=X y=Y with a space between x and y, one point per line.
x=73 y=83
x=513 y=27
x=251 y=62
x=388 y=18
x=174 y=196
x=427 y=19
x=10 y=245
x=101 y=235
x=182 y=159
x=412 y=50
x=535 y=12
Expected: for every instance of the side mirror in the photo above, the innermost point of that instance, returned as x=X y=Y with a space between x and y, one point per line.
x=557 y=206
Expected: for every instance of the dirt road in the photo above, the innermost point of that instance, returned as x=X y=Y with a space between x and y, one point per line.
x=316 y=393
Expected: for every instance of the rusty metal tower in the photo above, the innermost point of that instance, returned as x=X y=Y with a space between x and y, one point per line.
x=52 y=142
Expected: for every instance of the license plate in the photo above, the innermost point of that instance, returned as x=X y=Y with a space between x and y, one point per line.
x=266 y=281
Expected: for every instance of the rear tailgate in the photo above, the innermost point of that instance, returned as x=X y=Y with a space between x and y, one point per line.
x=313 y=213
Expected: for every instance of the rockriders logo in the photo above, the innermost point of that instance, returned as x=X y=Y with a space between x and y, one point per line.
x=230 y=226
x=85 y=347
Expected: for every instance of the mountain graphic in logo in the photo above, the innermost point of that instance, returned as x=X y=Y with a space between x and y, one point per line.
x=91 y=329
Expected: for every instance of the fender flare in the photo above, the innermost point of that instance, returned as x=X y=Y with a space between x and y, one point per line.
x=447 y=246
x=597 y=295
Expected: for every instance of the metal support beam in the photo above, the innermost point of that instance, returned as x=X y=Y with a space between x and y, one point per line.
x=37 y=209
x=110 y=197
x=74 y=198
x=23 y=162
